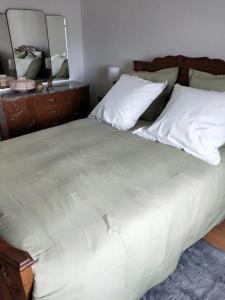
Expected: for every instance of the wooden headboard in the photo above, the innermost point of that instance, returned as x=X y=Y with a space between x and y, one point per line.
x=205 y=64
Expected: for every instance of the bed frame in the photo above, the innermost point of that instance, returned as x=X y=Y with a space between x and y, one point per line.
x=204 y=64
x=16 y=277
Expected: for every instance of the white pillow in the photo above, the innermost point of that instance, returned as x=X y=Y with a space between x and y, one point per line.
x=126 y=101
x=193 y=120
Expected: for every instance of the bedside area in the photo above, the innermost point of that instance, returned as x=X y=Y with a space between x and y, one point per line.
x=22 y=113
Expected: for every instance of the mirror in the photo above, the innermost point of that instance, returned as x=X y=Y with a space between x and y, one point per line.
x=33 y=45
x=58 y=47
x=7 y=64
x=30 y=43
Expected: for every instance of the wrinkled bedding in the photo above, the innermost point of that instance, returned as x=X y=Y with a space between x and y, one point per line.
x=104 y=213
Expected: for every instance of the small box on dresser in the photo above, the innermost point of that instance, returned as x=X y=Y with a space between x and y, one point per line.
x=22 y=113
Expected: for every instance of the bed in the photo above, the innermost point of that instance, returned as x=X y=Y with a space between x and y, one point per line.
x=103 y=214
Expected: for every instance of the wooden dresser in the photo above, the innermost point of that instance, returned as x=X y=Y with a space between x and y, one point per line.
x=22 y=113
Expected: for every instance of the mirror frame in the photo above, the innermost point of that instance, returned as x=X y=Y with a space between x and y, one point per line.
x=67 y=49
x=47 y=70
x=12 y=54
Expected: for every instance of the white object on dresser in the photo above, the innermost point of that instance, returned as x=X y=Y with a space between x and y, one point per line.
x=194 y=121
x=126 y=101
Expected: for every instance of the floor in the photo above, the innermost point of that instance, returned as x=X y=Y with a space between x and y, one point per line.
x=200 y=273
x=216 y=237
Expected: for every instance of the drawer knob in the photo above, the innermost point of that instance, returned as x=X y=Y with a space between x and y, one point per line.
x=54 y=111
x=51 y=100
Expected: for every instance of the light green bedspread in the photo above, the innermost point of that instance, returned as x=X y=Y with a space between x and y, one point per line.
x=105 y=214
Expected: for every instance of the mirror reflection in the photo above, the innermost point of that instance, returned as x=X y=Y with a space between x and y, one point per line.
x=30 y=43
x=58 y=46
x=7 y=64
x=33 y=46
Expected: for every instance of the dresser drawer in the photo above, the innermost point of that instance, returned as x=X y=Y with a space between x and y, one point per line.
x=20 y=117
x=27 y=112
x=55 y=114
x=52 y=109
x=18 y=106
x=50 y=99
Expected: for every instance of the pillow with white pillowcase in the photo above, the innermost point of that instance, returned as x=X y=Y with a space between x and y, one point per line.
x=126 y=101
x=193 y=120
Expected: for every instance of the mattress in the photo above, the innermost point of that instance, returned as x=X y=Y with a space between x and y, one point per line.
x=104 y=213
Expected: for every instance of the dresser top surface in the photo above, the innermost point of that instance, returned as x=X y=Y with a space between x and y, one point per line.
x=70 y=85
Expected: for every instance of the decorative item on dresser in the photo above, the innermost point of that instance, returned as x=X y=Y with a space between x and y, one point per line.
x=28 y=112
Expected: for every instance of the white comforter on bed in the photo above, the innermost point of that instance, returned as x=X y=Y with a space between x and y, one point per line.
x=105 y=214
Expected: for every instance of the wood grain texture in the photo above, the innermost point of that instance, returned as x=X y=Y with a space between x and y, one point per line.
x=26 y=113
x=16 y=278
x=204 y=64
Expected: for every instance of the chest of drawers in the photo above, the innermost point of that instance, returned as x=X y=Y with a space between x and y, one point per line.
x=28 y=112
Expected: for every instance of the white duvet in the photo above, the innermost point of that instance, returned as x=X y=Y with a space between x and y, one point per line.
x=105 y=214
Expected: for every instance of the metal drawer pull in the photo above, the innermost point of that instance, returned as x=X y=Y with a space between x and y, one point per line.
x=51 y=100
x=54 y=111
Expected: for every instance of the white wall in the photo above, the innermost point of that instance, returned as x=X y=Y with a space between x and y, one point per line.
x=115 y=32
x=72 y=11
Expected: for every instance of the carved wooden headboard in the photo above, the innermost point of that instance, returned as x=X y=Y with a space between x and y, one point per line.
x=205 y=64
